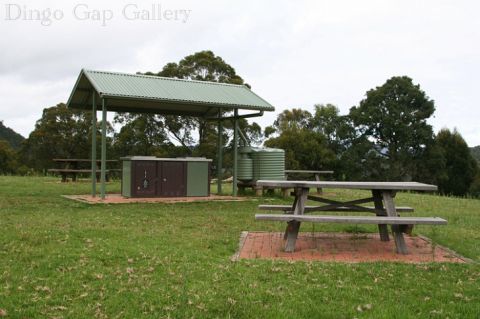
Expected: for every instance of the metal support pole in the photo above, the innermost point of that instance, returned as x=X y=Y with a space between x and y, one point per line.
x=235 y=150
x=94 y=145
x=220 y=154
x=104 y=149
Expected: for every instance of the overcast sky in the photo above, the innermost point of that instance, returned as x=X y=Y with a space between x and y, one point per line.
x=292 y=53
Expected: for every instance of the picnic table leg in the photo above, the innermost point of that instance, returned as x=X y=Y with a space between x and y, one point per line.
x=319 y=189
x=64 y=177
x=241 y=189
x=382 y=229
x=285 y=235
x=294 y=226
x=270 y=191
x=397 y=233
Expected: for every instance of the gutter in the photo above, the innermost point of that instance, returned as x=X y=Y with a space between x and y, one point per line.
x=233 y=117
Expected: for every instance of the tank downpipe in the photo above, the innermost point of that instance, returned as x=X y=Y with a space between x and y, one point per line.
x=243 y=138
x=246 y=116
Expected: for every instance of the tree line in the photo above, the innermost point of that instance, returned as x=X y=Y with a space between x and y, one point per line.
x=385 y=137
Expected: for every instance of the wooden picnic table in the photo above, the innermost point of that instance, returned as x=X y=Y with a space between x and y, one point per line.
x=71 y=166
x=285 y=191
x=316 y=174
x=76 y=161
x=383 y=195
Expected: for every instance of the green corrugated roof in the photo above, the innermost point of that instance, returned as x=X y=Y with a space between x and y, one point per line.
x=142 y=93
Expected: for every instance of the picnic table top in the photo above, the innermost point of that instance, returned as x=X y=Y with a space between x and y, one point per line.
x=302 y=171
x=78 y=160
x=350 y=185
x=73 y=170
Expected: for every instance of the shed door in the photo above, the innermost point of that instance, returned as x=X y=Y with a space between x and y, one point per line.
x=145 y=176
x=172 y=179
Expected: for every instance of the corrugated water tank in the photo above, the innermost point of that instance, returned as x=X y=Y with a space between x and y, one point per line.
x=268 y=163
x=245 y=164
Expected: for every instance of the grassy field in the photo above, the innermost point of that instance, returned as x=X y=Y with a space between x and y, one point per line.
x=64 y=259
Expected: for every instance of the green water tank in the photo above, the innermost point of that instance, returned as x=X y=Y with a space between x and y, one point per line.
x=268 y=163
x=245 y=164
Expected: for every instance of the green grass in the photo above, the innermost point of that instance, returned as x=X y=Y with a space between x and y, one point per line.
x=64 y=259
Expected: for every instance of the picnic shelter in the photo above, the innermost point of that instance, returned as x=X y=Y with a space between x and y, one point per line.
x=136 y=93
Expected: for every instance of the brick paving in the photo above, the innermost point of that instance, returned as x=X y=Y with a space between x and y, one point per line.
x=119 y=199
x=342 y=247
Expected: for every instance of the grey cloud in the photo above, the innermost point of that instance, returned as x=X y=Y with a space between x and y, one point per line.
x=293 y=53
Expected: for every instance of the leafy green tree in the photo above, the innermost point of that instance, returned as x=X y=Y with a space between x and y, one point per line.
x=304 y=148
x=431 y=165
x=340 y=134
x=476 y=152
x=294 y=119
x=8 y=158
x=200 y=66
x=180 y=129
x=393 y=119
x=359 y=162
x=475 y=186
x=13 y=138
x=140 y=134
x=460 y=166
x=60 y=133
x=252 y=131
x=327 y=120
x=196 y=136
x=269 y=131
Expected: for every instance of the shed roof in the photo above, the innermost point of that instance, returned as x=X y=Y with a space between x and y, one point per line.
x=152 y=94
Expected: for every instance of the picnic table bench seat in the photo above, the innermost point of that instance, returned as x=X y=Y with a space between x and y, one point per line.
x=382 y=196
x=404 y=224
x=376 y=220
x=288 y=208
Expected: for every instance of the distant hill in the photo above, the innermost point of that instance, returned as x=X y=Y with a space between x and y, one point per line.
x=475 y=152
x=11 y=136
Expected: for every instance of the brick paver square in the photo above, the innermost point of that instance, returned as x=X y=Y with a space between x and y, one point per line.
x=342 y=247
